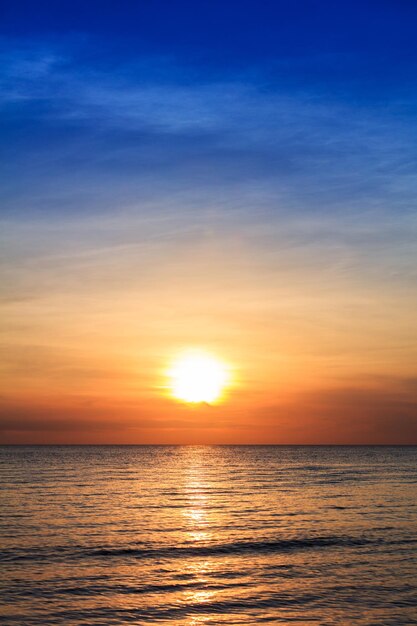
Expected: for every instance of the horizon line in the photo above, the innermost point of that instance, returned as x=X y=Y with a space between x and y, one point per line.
x=212 y=445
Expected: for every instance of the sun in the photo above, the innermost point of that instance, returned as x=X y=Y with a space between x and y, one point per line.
x=198 y=377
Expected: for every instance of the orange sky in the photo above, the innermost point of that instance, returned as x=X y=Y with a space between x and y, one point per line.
x=318 y=354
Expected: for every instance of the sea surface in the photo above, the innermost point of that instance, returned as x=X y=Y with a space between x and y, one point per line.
x=208 y=535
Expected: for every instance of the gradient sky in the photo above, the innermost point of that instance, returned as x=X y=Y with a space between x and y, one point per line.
x=238 y=176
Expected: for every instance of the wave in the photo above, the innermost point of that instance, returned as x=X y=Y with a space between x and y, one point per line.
x=172 y=552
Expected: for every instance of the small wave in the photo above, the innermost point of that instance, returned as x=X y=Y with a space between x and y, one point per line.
x=238 y=547
x=180 y=611
x=233 y=548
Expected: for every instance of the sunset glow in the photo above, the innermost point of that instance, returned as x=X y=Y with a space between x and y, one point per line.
x=219 y=211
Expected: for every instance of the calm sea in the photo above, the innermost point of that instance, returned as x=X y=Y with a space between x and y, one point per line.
x=208 y=535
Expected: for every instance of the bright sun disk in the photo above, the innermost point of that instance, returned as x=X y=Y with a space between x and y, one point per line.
x=198 y=377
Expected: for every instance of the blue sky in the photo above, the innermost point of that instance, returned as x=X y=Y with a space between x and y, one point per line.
x=314 y=103
x=266 y=151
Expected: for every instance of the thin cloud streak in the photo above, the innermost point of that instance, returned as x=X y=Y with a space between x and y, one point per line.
x=305 y=149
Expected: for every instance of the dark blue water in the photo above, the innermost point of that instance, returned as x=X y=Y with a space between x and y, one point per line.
x=208 y=535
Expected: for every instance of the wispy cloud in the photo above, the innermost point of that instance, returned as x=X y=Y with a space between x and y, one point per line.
x=121 y=128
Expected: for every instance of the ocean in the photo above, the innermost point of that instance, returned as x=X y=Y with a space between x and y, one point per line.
x=208 y=535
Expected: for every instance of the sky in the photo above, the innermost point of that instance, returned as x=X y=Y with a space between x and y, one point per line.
x=235 y=176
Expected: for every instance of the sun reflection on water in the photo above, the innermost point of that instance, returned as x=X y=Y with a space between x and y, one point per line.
x=198 y=523
x=197 y=498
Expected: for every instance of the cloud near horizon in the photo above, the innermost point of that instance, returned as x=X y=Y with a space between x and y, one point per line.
x=345 y=415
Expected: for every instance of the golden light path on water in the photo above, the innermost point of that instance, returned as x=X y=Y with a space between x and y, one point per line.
x=198 y=530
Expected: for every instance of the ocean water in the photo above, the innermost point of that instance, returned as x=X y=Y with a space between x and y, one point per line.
x=208 y=535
